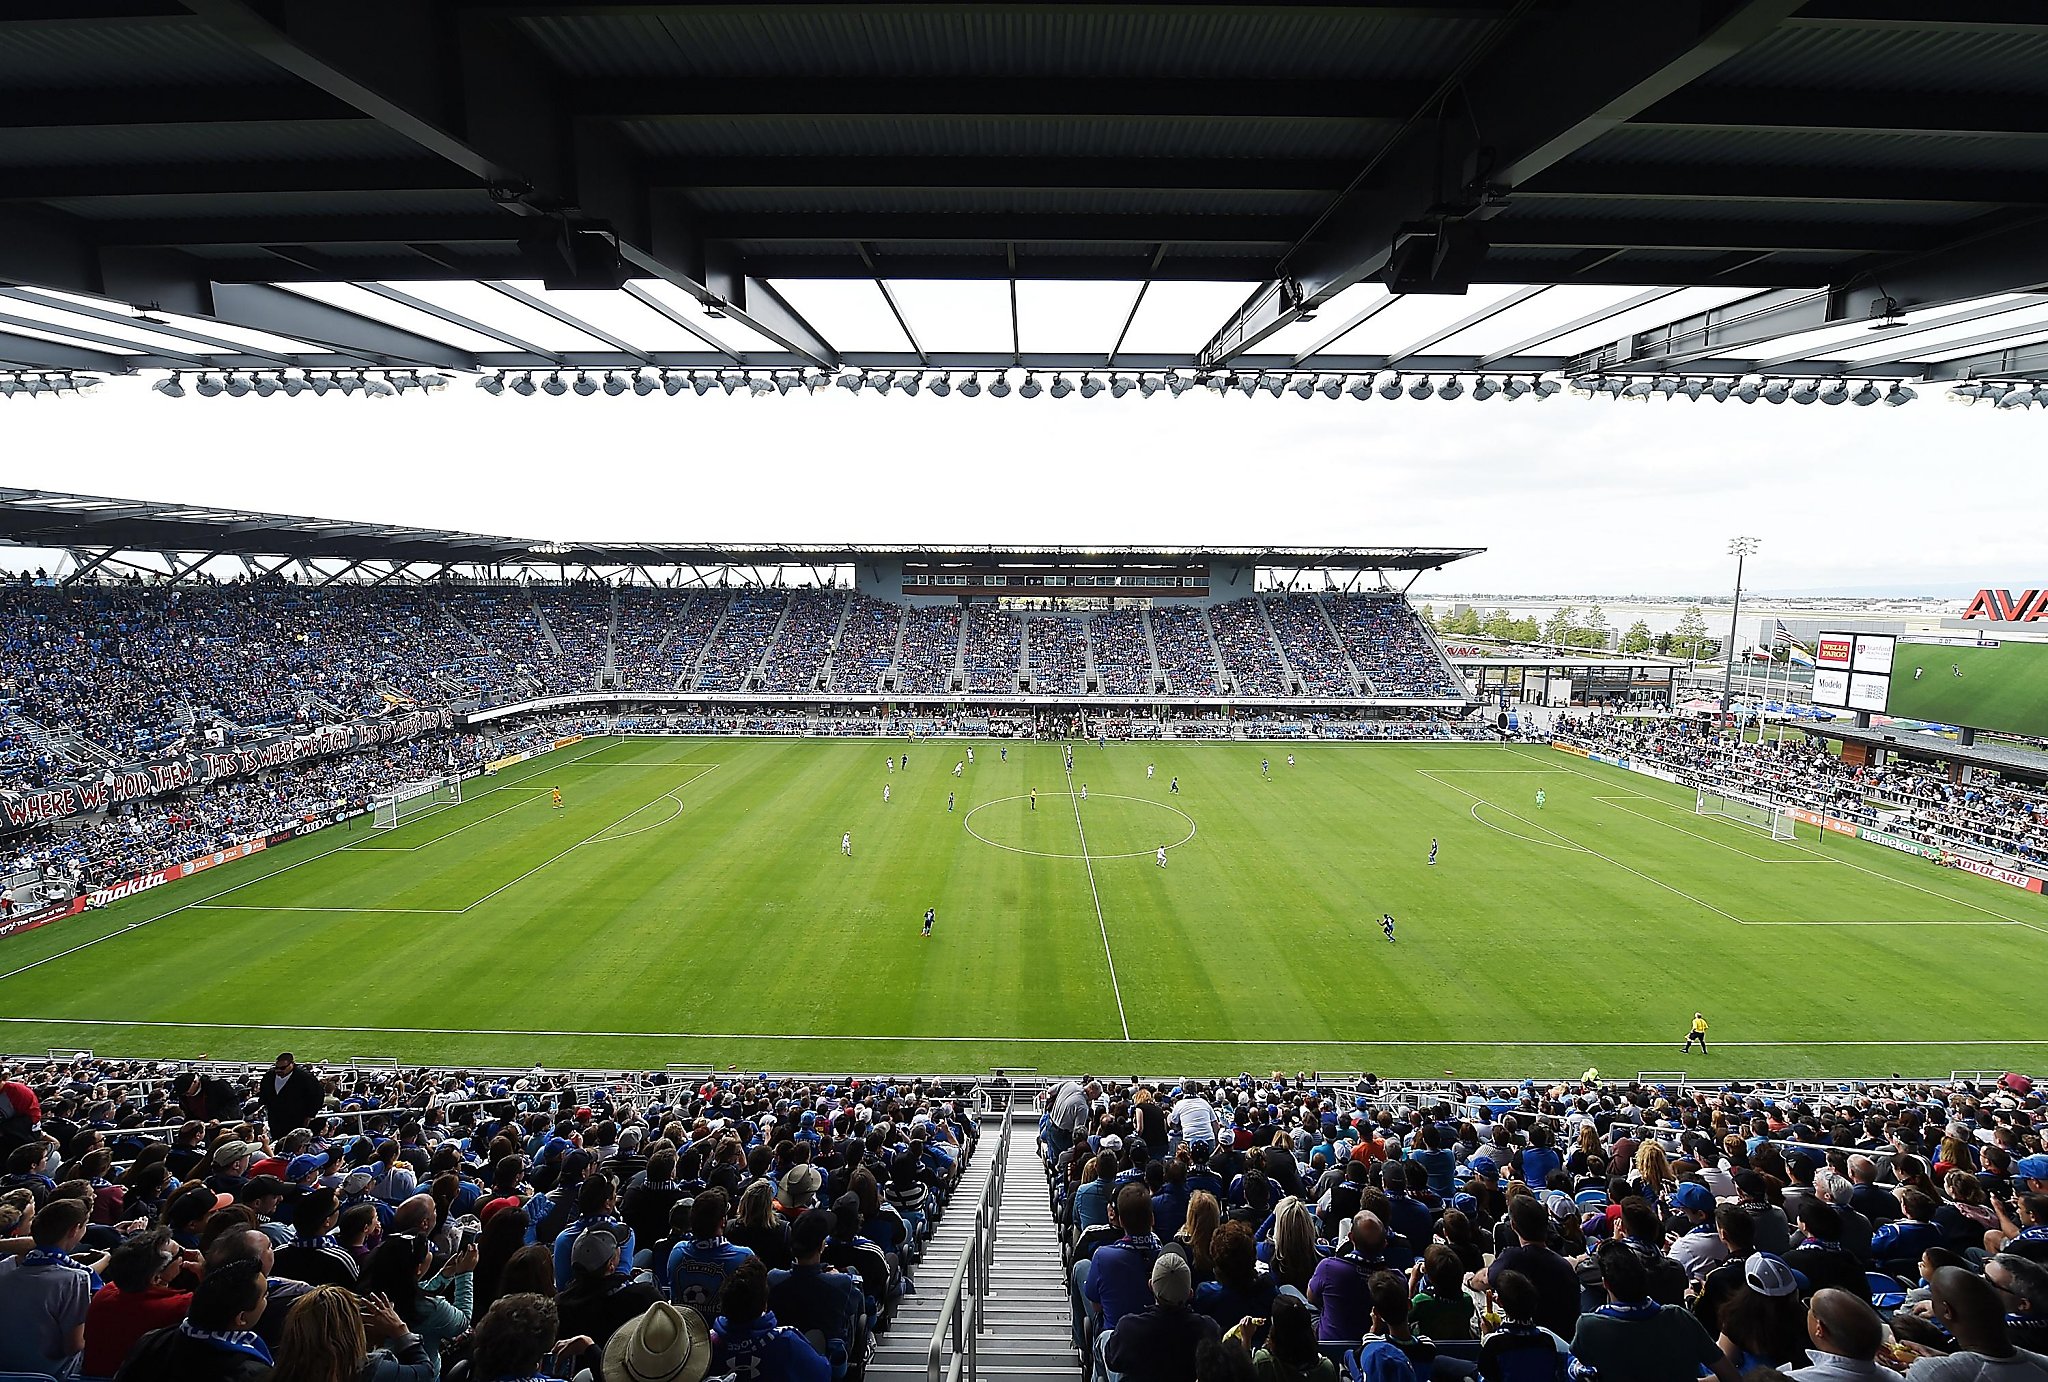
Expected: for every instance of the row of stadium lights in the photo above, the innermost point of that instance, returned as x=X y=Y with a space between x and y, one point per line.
x=2005 y=394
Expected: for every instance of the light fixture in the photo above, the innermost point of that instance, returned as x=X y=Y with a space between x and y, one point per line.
x=266 y=386
x=1361 y=388
x=554 y=386
x=1805 y=392
x=320 y=384
x=882 y=382
x=433 y=382
x=1031 y=387
x=1589 y=384
x=292 y=385
x=673 y=384
x=1637 y=388
x=238 y=386
x=644 y=384
x=1421 y=388
x=615 y=384
x=208 y=386
x=584 y=386
x=1090 y=386
x=1866 y=395
x=941 y=386
x=1511 y=389
x=1333 y=387
x=1453 y=388
x=758 y=385
x=1391 y=387
x=1967 y=392
x=170 y=387
x=1061 y=386
x=1693 y=388
x=970 y=387
x=1483 y=389
x=1545 y=388
x=524 y=385
x=1666 y=387
x=1777 y=391
x=1721 y=389
x=999 y=387
x=1178 y=383
x=1119 y=385
x=1748 y=391
x=1304 y=386
x=1835 y=393
x=1899 y=394
x=2019 y=396
x=492 y=384
x=787 y=380
x=849 y=381
x=1148 y=385
x=909 y=383
x=377 y=388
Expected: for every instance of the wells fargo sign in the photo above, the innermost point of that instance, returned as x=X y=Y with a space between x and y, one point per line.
x=2008 y=608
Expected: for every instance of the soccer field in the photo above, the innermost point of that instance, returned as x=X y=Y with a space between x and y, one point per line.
x=690 y=903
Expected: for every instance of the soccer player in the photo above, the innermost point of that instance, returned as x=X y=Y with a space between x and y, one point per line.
x=958 y=768
x=885 y=793
x=1148 y=772
x=1084 y=791
x=1174 y=787
x=1697 y=1033
x=891 y=761
x=1161 y=856
x=1290 y=760
x=1432 y=851
x=1266 y=769
x=949 y=803
x=970 y=755
x=1034 y=798
x=1539 y=798
x=905 y=765
x=1387 y=925
x=931 y=914
x=846 y=844
x=558 y=798
x=1005 y=750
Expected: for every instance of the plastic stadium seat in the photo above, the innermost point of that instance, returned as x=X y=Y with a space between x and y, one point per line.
x=1886 y=1293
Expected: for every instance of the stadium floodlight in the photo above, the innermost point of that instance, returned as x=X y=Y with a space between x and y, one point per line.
x=1749 y=391
x=170 y=387
x=1454 y=388
x=1177 y=383
x=1511 y=389
x=265 y=386
x=1483 y=389
x=377 y=388
x=1777 y=391
x=910 y=384
x=1835 y=393
x=1967 y=392
x=1667 y=387
x=1031 y=388
x=849 y=381
x=1423 y=387
x=1899 y=394
x=1589 y=384
x=1249 y=384
x=2017 y=397
x=1061 y=386
x=1805 y=392
x=492 y=384
x=1303 y=386
x=1693 y=388
x=1637 y=388
x=554 y=386
x=674 y=384
x=999 y=387
x=644 y=384
x=524 y=385
x=321 y=383
x=783 y=382
x=401 y=382
x=291 y=384
x=1545 y=388
x=970 y=387
x=941 y=386
x=1390 y=387
x=615 y=385
x=1120 y=384
x=1090 y=386
x=208 y=386
x=584 y=386
x=1866 y=395
x=882 y=383
x=433 y=382
x=348 y=383
x=1360 y=388
x=238 y=386
x=1721 y=389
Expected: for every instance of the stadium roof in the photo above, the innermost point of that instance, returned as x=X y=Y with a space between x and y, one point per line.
x=1712 y=186
x=93 y=524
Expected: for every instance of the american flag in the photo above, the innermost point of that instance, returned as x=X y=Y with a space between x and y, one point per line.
x=1781 y=636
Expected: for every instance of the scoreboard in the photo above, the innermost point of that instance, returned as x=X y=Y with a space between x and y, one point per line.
x=984 y=577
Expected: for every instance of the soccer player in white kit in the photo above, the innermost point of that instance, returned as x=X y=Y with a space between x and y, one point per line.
x=970 y=755
x=1148 y=772
x=1162 y=856
x=846 y=844
x=885 y=791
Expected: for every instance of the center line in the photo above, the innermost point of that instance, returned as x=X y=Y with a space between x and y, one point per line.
x=1102 y=925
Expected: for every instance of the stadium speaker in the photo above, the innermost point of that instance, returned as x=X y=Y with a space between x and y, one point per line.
x=562 y=257
x=1439 y=259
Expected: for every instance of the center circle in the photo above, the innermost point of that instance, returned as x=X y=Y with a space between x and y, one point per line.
x=1115 y=826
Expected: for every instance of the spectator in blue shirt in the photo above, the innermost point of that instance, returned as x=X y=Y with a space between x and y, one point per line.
x=814 y=1298
x=698 y=1268
x=1091 y=1200
x=1896 y=1246
x=746 y=1339
x=1120 y=1273
x=597 y=1206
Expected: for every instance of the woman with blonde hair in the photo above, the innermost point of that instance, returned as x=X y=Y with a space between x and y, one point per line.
x=757 y=1227
x=1294 y=1256
x=1653 y=1178
x=328 y=1337
x=1196 y=1236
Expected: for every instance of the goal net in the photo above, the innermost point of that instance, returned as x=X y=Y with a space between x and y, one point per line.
x=403 y=803
x=1766 y=816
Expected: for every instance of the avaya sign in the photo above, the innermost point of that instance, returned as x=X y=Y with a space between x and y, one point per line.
x=2007 y=608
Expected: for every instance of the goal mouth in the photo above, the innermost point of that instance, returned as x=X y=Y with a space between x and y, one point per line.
x=1758 y=813
x=411 y=800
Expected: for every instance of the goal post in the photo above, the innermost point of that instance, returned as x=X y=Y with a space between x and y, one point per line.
x=395 y=807
x=1770 y=817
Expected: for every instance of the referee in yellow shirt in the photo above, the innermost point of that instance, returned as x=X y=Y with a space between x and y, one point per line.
x=1698 y=1033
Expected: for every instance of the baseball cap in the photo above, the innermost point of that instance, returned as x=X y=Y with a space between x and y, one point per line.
x=357 y=1183
x=2033 y=1167
x=1767 y=1276
x=1696 y=1198
x=1112 y=1143
x=594 y=1251
x=1483 y=1167
x=256 y=1187
x=1172 y=1283
x=576 y=1163
x=305 y=1164
x=230 y=1152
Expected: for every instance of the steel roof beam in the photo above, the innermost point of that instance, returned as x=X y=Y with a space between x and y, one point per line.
x=1831 y=110
x=1554 y=84
x=488 y=227
x=1681 y=182
x=649 y=300
x=1467 y=322
x=1137 y=174
x=280 y=312
x=1351 y=324
x=262 y=178
x=568 y=319
x=999 y=228
x=1710 y=236
x=112 y=107
x=454 y=318
x=1549 y=334
x=2031 y=301
x=32 y=353
x=160 y=328
x=2030 y=361
x=889 y=300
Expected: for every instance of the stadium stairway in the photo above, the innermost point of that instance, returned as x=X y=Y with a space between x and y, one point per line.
x=1026 y=1329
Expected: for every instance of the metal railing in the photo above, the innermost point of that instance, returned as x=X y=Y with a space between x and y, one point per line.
x=951 y=1357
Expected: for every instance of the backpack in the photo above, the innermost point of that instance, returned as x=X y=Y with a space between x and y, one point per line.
x=1378 y=1361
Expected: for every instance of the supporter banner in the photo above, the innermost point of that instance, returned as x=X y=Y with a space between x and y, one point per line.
x=1899 y=842
x=20 y=810
x=1572 y=749
x=1984 y=870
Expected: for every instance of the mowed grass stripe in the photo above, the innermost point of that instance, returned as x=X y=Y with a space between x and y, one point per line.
x=740 y=916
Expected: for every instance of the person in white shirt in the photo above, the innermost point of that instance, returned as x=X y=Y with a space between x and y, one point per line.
x=1193 y=1117
x=1699 y=1248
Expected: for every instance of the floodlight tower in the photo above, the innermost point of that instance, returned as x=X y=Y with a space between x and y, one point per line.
x=1741 y=548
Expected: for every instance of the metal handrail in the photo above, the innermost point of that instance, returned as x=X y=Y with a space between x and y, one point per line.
x=960 y=1314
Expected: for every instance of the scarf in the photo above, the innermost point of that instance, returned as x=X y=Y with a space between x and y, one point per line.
x=322 y=1240
x=1630 y=1310
x=2032 y=1233
x=1824 y=1244
x=243 y=1341
x=57 y=1257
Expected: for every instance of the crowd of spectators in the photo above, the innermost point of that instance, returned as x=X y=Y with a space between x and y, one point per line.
x=796 y=660
x=1057 y=647
x=662 y=633
x=1250 y=654
x=930 y=650
x=867 y=645
x=1180 y=635
x=1987 y=813
x=1390 y=647
x=580 y=617
x=1123 y=660
x=215 y=1225
x=1593 y=1229
x=992 y=649
x=751 y=619
x=1312 y=648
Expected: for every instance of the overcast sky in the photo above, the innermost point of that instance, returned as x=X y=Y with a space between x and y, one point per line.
x=1570 y=495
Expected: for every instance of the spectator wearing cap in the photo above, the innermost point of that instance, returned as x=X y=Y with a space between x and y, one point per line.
x=1763 y=1325
x=1632 y=1338
x=748 y=1341
x=811 y=1296
x=1698 y=1247
x=1158 y=1343
x=265 y=1194
x=799 y=1191
x=1843 y=1336
x=2030 y=1174
x=45 y=1294
x=663 y=1345
x=289 y=1096
x=137 y=1298
x=601 y=1297
x=698 y=1268
x=597 y=1206
x=231 y=1166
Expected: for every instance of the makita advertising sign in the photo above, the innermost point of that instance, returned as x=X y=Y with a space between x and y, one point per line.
x=2006 y=607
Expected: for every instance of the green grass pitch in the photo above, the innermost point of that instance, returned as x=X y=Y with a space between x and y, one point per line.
x=690 y=903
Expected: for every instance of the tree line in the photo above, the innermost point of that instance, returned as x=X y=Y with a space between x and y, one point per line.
x=1567 y=628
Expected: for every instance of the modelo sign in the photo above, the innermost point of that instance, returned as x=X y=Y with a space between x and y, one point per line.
x=2003 y=607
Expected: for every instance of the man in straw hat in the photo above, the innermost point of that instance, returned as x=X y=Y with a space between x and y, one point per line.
x=667 y=1344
